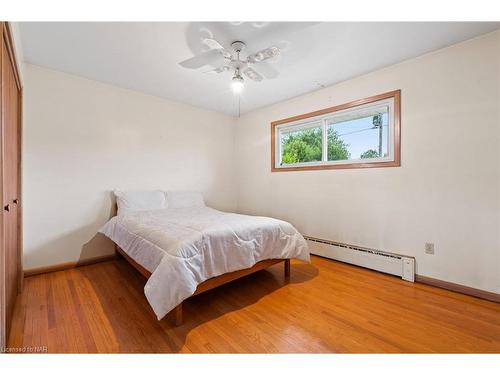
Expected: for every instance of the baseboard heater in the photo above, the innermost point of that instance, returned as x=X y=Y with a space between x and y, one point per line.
x=394 y=264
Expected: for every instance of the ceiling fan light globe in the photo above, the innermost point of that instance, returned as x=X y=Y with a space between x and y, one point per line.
x=237 y=85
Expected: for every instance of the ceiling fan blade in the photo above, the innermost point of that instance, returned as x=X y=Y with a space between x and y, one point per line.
x=266 y=70
x=211 y=57
x=214 y=44
x=253 y=75
x=264 y=54
x=220 y=69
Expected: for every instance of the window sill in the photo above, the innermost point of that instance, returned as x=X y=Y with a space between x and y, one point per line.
x=382 y=164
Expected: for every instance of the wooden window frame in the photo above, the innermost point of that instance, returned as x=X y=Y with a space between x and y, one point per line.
x=396 y=162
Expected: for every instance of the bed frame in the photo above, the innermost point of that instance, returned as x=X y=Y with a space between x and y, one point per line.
x=214 y=281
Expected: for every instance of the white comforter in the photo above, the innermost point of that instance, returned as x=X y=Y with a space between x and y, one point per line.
x=185 y=246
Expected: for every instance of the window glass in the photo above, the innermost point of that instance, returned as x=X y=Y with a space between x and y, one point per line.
x=360 y=135
x=302 y=144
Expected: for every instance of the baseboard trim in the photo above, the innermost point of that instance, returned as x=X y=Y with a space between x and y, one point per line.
x=479 y=293
x=68 y=265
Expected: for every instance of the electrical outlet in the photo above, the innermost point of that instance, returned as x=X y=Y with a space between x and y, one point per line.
x=429 y=248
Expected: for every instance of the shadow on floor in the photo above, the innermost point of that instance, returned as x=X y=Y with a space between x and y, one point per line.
x=120 y=290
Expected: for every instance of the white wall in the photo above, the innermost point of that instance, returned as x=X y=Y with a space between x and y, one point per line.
x=82 y=139
x=446 y=191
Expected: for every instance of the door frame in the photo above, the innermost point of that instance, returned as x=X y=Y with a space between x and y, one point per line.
x=7 y=41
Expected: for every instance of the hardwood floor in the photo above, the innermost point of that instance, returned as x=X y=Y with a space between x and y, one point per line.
x=326 y=307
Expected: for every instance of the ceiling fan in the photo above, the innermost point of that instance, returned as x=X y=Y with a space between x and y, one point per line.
x=231 y=60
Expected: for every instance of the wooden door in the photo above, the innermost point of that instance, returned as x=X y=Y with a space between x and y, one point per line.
x=11 y=197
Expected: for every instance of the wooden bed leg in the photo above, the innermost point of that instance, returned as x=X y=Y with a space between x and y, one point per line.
x=178 y=315
x=287 y=268
x=117 y=253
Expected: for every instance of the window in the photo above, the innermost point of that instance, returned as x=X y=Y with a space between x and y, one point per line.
x=361 y=134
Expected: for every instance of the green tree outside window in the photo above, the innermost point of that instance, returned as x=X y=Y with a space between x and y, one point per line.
x=305 y=146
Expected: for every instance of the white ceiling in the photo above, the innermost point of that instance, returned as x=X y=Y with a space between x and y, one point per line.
x=145 y=56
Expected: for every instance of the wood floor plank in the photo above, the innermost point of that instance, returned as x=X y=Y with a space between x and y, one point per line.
x=325 y=307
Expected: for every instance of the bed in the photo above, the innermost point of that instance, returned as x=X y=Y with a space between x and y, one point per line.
x=185 y=248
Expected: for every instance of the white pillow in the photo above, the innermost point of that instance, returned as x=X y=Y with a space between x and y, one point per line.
x=130 y=201
x=184 y=199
